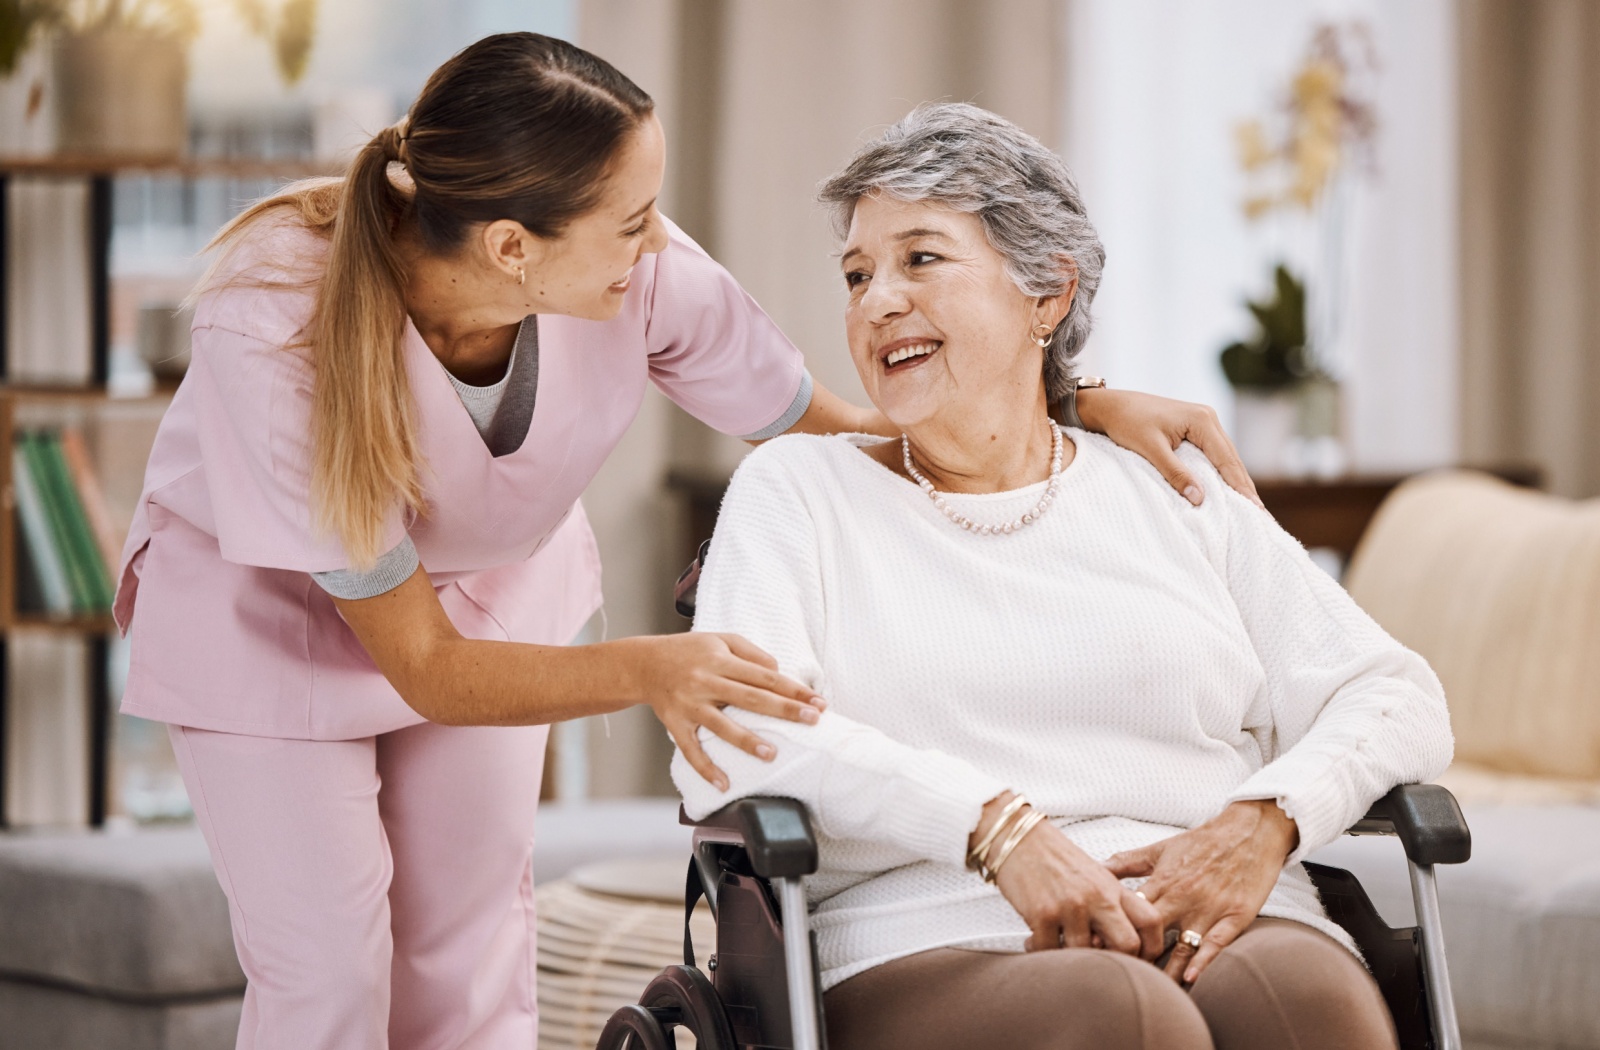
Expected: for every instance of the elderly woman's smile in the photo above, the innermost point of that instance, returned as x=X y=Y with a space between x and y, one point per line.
x=940 y=334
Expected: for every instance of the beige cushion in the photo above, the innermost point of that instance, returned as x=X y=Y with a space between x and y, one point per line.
x=1499 y=588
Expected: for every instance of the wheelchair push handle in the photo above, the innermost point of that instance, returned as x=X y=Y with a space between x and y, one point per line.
x=683 y=592
x=1427 y=820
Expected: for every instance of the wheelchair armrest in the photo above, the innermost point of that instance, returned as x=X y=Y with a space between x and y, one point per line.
x=775 y=832
x=1428 y=821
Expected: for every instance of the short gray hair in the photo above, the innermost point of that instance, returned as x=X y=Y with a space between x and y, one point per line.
x=973 y=161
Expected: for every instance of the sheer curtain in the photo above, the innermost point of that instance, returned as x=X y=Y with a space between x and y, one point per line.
x=1154 y=91
x=1530 y=237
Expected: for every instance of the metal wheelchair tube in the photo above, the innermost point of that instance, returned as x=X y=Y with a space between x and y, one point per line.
x=1425 y=895
x=797 y=963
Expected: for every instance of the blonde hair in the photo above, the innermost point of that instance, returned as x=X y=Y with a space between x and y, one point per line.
x=518 y=126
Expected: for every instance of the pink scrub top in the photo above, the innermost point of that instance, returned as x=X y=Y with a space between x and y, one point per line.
x=227 y=629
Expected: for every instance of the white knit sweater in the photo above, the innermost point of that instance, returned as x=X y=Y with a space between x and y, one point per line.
x=1129 y=662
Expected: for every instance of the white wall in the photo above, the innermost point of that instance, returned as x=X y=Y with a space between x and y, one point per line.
x=1154 y=90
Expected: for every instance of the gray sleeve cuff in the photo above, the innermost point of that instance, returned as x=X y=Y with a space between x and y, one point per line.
x=1069 y=410
x=791 y=416
x=392 y=570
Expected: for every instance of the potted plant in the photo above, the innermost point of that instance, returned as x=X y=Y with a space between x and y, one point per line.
x=1265 y=372
x=121 y=65
x=1299 y=170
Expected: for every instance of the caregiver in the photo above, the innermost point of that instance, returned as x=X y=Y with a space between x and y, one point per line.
x=360 y=550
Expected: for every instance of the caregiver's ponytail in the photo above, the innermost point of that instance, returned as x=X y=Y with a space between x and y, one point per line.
x=516 y=126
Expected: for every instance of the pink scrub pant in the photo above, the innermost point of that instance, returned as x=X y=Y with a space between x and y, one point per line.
x=381 y=889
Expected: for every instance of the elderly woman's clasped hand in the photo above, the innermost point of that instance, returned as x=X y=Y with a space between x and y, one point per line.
x=1213 y=879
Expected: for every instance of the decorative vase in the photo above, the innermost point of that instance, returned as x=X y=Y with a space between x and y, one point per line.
x=121 y=91
x=1265 y=423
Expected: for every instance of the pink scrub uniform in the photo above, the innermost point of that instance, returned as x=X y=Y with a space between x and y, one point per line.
x=376 y=864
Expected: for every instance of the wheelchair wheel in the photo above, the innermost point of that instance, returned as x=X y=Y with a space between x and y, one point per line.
x=682 y=996
x=634 y=1028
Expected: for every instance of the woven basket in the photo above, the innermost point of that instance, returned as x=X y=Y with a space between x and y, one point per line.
x=605 y=931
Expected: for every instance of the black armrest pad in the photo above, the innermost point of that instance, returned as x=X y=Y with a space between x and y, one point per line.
x=1427 y=820
x=776 y=833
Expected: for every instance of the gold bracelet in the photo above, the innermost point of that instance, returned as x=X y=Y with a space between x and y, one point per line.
x=1027 y=824
x=975 y=855
x=1003 y=831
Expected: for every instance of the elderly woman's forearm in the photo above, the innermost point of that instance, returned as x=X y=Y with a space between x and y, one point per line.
x=859 y=784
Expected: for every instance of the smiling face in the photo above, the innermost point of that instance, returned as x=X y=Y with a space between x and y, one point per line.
x=587 y=269
x=938 y=331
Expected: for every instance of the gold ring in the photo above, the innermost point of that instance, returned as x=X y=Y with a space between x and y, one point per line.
x=1191 y=938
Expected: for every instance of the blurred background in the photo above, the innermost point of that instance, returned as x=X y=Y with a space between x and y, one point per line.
x=1406 y=193
x=1364 y=230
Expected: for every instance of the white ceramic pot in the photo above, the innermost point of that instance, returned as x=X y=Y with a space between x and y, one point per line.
x=1264 y=428
x=121 y=91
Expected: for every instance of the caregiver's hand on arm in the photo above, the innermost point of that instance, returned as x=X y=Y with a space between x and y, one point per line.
x=1154 y=427
x=1212 y=879
x=688 y=679
x=1067 y=898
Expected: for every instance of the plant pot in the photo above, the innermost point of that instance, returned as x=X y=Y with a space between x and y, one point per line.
x=121 y=91
x=1265 y=423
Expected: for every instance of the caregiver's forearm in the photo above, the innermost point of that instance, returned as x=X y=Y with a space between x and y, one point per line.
x=467 y=681
x=453 y=680
x=829 y=413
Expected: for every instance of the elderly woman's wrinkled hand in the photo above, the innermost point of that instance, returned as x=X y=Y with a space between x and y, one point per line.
x=1154 y=427
x=1211 y=880
x=1069 y=900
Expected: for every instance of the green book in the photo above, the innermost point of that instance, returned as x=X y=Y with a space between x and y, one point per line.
x=80 y=534
x=38 y=543
x=33 y=445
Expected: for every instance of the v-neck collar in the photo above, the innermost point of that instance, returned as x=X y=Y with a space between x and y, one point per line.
x=524 y=360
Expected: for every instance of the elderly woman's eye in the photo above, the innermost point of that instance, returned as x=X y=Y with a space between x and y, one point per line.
x=919 y=258
x=853 y=278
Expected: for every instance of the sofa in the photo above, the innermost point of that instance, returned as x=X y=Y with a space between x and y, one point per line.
x=1499 y=588
x=122 y=941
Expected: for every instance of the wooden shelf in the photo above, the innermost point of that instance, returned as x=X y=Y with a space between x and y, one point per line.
x=79 y=166
x=55 y=392
x=100 y=623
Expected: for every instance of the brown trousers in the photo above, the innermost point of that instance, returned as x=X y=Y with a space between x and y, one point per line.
x=1280 y=986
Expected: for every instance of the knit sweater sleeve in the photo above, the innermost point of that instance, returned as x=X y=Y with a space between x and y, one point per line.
x=763 y=580
x=1350 y=712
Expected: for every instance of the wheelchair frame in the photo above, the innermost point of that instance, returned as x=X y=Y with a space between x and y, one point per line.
x=750 y=857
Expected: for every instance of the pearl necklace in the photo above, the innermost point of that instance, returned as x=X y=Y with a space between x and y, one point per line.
x=989 y=530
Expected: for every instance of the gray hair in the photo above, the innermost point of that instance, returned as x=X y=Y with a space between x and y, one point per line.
x=974 y=161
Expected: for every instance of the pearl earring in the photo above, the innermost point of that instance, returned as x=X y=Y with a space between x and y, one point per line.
x=1041 y=335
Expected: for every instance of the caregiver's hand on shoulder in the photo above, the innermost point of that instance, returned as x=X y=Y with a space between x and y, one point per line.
x=1213 y=879
x=1154 y=427
x=1067 y=898
x=689 y=678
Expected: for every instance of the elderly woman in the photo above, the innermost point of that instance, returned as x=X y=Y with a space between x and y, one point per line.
x=1080 y=733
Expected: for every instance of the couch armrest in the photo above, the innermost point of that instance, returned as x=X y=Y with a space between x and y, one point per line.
x=1427 y=820
x=775 y=832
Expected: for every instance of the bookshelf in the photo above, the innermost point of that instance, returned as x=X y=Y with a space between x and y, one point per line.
x=30 y=400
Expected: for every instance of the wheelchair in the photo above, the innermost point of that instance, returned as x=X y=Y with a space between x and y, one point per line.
x=760 y=989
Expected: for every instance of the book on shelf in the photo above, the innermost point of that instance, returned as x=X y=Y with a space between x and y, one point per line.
x=37 y=555
x=49 y=298
x=59 y=543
